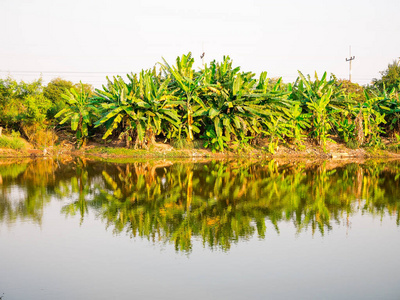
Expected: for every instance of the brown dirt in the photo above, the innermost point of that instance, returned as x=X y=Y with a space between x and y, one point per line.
x=334 y=150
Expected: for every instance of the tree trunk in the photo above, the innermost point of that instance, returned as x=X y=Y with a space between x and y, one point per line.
x=150 y=137
x=359 y=128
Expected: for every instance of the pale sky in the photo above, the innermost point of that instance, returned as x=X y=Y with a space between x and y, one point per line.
x=89 y=39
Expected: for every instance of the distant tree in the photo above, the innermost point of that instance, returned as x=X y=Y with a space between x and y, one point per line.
x=58 y=86
x=353 y=90
x=53 y=91
x=22 y=103
x=390 y=77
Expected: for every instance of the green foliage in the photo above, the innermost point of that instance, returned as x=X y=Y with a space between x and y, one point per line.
x=78 y=112
x=184 y=86
x=320 y=119
x=53 y=92
x=322 y=100
x=235 y=104
x=182 y=144
x=352 y=90
x=278 y=130
x=372 y=112
x=219 y=103
x=15 y=143
x=141 y=108
x=242 y=143
x=346 y=129
x=214 y=141
x=390 y=77
x=22 y=103
x=297 y=123
x=352 y=144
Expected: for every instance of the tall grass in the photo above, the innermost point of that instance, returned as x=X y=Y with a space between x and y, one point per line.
x=15 y=143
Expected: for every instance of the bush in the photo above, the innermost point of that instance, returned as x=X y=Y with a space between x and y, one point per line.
x=15 y=143
x=39 y=137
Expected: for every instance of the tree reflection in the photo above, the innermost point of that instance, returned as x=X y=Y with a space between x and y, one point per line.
x=218 y=202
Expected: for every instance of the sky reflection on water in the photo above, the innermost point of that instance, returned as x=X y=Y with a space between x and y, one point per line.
x=213 y=230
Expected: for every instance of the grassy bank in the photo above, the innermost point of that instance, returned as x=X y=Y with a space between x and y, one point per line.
x=332 y=151
x=17 y=147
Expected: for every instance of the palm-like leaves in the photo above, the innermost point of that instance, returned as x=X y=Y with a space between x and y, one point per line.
x=233 y=102
x=185 y=84
x=79 y=112
x=142 y=106
x=226 y=106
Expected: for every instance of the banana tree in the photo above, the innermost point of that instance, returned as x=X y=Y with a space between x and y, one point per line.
x=278 y=130
x=185 y=84
x=156 y=109
x=143 y=107
x=228 y=107
x=321 y=124
x=307 y=90
x=79 y=112
x=387 y=102
x=298 y=123
x=370 y=115
x=117 y=107
x=323 y=100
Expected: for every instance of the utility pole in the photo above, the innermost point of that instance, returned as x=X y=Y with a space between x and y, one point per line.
x=202 y=56
x=349 y=60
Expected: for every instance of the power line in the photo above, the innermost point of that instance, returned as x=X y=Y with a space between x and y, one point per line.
x=62 y=72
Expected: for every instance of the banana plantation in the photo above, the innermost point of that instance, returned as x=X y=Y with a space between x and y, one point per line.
x=218 y=106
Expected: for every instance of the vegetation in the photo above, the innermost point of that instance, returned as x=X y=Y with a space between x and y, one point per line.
x=78 y=112
x=390 y=77
x=12 y=142
x=219 y=105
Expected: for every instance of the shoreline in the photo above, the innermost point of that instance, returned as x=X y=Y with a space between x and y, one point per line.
x=335 y=151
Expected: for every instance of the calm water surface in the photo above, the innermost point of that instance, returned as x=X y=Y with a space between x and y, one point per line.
x=79 y=229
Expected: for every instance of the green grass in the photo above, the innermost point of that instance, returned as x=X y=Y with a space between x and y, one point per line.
x=134 y=152
x=352 y=144
x=117 y=153
x=15 y=143
x=184 y=144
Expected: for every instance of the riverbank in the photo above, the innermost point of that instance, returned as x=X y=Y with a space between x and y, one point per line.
x=333 y=150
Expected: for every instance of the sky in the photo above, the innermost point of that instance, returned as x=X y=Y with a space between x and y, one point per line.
x=90 y=39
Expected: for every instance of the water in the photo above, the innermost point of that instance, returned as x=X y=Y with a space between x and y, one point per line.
x=79 y=229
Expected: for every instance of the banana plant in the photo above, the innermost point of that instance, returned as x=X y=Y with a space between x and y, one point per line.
x=371 y=115
x=321 y=119
x=298 y=123
x=306 y=90
x=278 y=131
x=143 y=107
x=323 y=100
x=386 y=102
x=185 y=85
x=228 y=107
x=156 y=108
x=274 y=95
x=79 y=112
x=117 y=111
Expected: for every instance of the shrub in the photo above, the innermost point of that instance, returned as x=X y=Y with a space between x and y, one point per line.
x=15 y=143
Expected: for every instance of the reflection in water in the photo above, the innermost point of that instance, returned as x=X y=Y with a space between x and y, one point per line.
x=219 y=202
